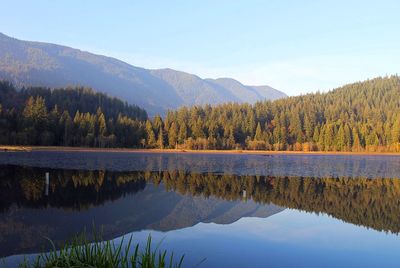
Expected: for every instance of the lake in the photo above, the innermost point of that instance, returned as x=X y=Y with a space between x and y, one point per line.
x=220 y=210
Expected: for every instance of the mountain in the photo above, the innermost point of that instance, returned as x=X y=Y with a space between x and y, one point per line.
x=27 y=63
x=40 y=64
x=194 y=90
x=251 y=94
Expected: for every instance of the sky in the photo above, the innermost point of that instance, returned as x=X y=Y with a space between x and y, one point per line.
x=294 y=46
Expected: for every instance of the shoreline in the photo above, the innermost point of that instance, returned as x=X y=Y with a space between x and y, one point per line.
x=179 y=151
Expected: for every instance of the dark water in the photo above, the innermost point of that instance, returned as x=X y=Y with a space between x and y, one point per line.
x=233 y=210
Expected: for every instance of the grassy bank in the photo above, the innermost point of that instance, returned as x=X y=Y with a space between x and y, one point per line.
x=81 y=253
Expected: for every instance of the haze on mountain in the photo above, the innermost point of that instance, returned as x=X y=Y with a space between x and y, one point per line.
x=26 y=63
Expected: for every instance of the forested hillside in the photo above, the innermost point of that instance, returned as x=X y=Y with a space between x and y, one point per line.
x=70 y=117
x=70 y=99
x=363 y=116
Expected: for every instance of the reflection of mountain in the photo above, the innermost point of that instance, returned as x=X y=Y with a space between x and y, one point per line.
x=77 y=199
x=372 y=203
x=190 y=210
x=168 y=200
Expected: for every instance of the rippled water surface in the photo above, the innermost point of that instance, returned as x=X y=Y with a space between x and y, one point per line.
x=231 y=210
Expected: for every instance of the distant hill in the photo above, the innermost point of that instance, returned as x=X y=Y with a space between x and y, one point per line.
x=26 y=63
x=84 y=100
x=251 y=94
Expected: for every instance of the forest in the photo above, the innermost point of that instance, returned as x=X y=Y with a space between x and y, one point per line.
x=363 y=116
x=68 y=117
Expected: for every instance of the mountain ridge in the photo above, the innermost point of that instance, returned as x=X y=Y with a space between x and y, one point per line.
x=32 y=63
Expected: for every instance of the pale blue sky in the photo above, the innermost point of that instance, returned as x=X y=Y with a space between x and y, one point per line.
x=294 y=46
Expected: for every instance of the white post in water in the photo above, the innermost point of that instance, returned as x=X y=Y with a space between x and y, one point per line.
x=244 y=193
x=47 y=184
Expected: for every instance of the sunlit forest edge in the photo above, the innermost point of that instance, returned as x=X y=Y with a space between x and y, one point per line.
x=359 y=117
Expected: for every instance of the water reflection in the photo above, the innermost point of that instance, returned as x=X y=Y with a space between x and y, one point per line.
x=368 y=166
x=126 y=201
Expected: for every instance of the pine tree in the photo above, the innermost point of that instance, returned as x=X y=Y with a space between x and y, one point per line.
x=157 y=123
x=347 y=138
x=316 y=134
x=182 y=135
x=102 y=129
x=160 y=140
x=198 y=130
x=102 y=125
x=35 y=119
x=308 y=128
x=356 y=140
x=340 y=139
x=258 y=136
x=396 y=131
x=151 y=138
x=231 y=140
x=172 y=135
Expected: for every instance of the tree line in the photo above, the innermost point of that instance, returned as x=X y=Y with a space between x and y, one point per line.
x=68 y=117
x=363 y=116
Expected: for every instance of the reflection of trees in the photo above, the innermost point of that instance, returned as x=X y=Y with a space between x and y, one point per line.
x=373 y=203
x=71 y=189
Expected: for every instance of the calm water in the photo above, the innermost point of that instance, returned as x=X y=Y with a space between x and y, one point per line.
x=232 y=210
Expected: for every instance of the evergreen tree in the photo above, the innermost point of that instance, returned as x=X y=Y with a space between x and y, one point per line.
x=258 y=136
x=172 y=135
x=151 y=137
x=231 y=140
x=160 y=140
x=340 y=139
x=183 y=133
x=356 y=140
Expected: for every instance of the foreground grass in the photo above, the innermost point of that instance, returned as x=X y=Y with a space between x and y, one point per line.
x=81 y=253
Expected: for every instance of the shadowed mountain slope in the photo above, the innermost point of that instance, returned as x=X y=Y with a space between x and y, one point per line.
x=26 y=63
